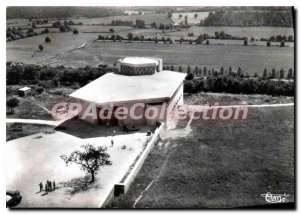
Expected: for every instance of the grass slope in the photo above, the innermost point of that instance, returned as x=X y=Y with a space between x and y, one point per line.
x=222 y=164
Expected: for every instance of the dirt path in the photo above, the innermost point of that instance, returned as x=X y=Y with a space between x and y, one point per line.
x=63 y=53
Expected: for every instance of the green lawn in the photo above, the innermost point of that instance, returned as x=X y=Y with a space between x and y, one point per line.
x=221 y=165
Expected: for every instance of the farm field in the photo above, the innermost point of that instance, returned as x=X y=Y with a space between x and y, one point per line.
x=256 y=32
x=103 y=29
x=221 y=164
x=251 y=58
x=191 y=18
x=26 y=50
x=241 y=42
x=148 y=18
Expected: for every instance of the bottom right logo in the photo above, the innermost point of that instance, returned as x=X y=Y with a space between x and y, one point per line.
x=275 y=198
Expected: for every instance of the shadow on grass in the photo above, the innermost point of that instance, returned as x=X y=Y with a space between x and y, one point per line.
x=79 y=184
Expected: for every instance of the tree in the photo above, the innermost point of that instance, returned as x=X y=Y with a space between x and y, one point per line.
x=130 y=36
x=190 y=76
x=180 y=69
x=153 y=25
x=282 y=43
x=62 y=28
x=245 y=42
x=290 y=38
x=268 y=43
x=290 y=74
x=140 y=24
x=161 y=26
x=217 y=35
x=90 y=159
x=281 y=73
x=41 y=47
x=188 y=70
x=46 y=30
x=75 y=31
x=186 y=20
x=273 y=74
x=189 y=87
x=111 y=30
x=47 y=40
x=12 y=103
x=195 y=15
x=265 y=73
x=239 y=73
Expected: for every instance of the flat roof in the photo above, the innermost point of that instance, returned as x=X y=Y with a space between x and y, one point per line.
x=138 y=60
x=118 y=89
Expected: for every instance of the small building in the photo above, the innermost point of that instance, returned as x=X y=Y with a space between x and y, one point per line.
x=23 y=92
x=139 y=82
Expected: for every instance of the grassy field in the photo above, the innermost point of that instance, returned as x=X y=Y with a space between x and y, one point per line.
x=148 y=18
x=18 y=130
x=203 y=98
x=251 y=58
x=221 y=164
x=103 y=29
x=26 y=50
x=256 y=32
x=191 y=19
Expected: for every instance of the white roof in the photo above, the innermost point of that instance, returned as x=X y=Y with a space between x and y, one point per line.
x=138 y=61
x=24 y=88
x=118 y=89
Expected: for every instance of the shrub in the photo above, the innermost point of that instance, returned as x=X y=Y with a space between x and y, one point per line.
x=47 y=40
x=41 y=47
x=75 y=31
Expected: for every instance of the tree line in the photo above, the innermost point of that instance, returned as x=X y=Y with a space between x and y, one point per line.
x=278 y=18
x=47 y=77
x=235 y=85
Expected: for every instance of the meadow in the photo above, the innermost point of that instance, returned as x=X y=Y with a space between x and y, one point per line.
x=191 y=19
x=148 y=18
x=250 y=58
x=221 y=164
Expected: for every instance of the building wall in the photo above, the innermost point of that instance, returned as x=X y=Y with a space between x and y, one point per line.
x=138 y=111
x=88 y=119
x=160 y=116
x=175 y=101
x=142 y=70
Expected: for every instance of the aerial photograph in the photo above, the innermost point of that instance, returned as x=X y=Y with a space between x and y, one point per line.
x=150 y=107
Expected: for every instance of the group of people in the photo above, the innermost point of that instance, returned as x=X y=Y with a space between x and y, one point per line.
x=49 y=186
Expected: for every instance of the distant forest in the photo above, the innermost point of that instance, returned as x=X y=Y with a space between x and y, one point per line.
x=61 y=12
x=278 y=18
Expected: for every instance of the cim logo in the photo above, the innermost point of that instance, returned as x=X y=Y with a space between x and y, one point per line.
x=275 y=198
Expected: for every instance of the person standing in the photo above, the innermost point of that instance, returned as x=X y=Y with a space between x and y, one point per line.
x=53 y=185
x=46 y=187
x=41 y=186
x=112 y=142
x=50 y=186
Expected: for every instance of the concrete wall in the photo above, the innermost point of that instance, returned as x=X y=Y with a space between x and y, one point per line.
x=138 y=111
x=177 y=99
x=138 y=165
